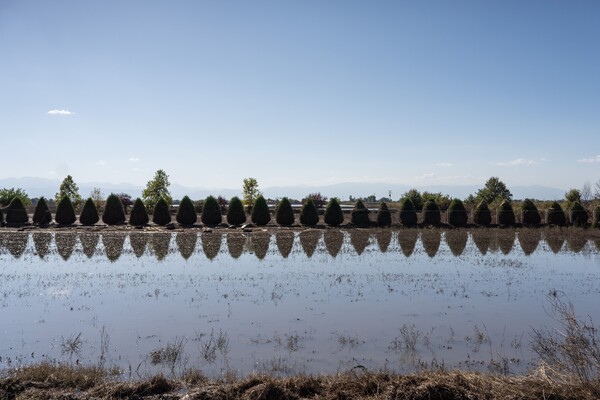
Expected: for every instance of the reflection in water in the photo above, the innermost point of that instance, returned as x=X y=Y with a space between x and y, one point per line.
x=186 y=243
x=309 y=240
x=211 y=244
x=383 y=238
x=285 y=242
x=65 y=243
x=407 y=239
x=482 y=239
x=16 y=243
x=456 y=239
x=597 y=243
x=431 y=239
x=159 y=244
x=576 y=242
x=506 y=240
x=529 y=239
x=334 y=239
x=138 y=241
x=259 y=243
x=89 y=243
x=235 y=244
x=555 y=240
x=41 y=242
x=113 y=245
x=359 y=240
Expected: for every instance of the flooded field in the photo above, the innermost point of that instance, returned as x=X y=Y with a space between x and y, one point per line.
x=317 y=301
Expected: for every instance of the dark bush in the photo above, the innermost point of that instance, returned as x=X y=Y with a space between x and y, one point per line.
x=260 y=212
x=113 y=214
x=16 y=212
x=284 y=214
x=309 y=214
x=556 y=215
x=482 y=215
x=579 y=216
x=506 y=215
x=431 y=213
x=384 y=217
x=333 y=213
x=407 y=214
x=530 y=213
x=65 y=212
x=235 y=213
x=41 y=215
x=595 y=222
x=89 y=213
x=211 y=213
x=360 y=214
x=138 y=215
x=457 y=213
x=186 y=213
x=1 y=218
x=162 y=213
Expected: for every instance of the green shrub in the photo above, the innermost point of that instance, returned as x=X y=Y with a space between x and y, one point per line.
x=595 y=222
x=556 y=215
x=186 y=213
x=16 y=213
x=284 y=214
x=41 y=215
x=579 y=216
x=89 y=213
x=138 y=215
x=506 y=215
x=431 y=213
x=360 y=214
x=235 y=213
x=211 y=212
x=65 y=212
x=334 y=215
x=407 y=214
x=384 y=217
x=309 y=214
x=113 y=214
x=162 y=213
x=482 y=215
x=260 y=212
x=530 y=213
x=457 y=213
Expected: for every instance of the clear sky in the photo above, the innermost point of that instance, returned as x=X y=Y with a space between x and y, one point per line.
x=301 y=92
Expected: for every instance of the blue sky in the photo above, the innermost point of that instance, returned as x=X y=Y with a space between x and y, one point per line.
x=301 y=92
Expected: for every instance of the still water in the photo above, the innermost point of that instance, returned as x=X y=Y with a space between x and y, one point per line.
x=309 y=302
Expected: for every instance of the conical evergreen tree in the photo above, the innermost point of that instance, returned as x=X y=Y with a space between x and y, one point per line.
x=211 y=212
x=334 y=215
x=579 y=216
x=260 y=212
x=530 y=214
x=186 y=213
x=483 y=216
x=284 y=214
x=556 y=215
x=457 y=213
x=384 y=217
x=431 y=213
x=113 y=214
x=65 y=212
x=16 y=212
x=138 y=215
x=41 y=215
x=89 y=213
x=506 y=215
x=360 y=215
x=162 y=213
x=408 y=213
x=309 y=214
x=235 y=213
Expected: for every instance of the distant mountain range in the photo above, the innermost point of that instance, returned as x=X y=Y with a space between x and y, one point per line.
x=37 y=187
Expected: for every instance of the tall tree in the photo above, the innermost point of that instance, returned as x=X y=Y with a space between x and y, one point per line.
x=157 y=188
x=250 y=191
x=69 y=188
x=493 y=190
x=6 y=196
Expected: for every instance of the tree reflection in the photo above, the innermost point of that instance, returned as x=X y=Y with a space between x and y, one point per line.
x=576 y=241
x=555 y=239
x=259 y=244
x=309 y=240
x=359 y=240
x=211 y=244
x=16 y=243
x=159 y=244
x=431 y=239
x=138 y=241
x=482 y=239
x=407 y=239
x=113 y=245
x=285 y=242
x=41 y=242
x=456 y=239
x=506 y=240
x=186 y=243
x=89 y=243
x=529 y=239
x=235 y=244
x=383 y=238
x=334 y=239
x=65 y=243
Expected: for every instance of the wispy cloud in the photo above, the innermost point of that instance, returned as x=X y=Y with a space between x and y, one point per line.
x=444 y=164
x=517 y=162
x=134 y=159
x=60 y=112
x=100 y=162
x=590 y=160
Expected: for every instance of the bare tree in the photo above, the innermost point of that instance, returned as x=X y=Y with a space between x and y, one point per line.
x=586 y=192
x=597 y=190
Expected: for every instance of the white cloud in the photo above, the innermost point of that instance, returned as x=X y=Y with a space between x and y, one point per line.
x=60 y=112
x=514 y=163
x=590 y=160
x=134 y=159
x=444 y=164
x=100 y=162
